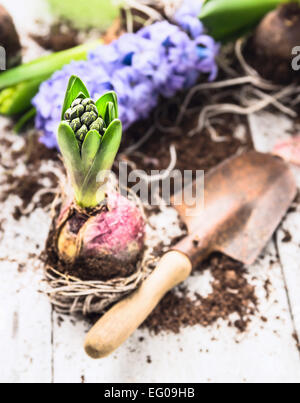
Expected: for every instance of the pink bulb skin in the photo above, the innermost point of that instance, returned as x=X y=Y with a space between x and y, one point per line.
x=103 y=246
x=118 y=232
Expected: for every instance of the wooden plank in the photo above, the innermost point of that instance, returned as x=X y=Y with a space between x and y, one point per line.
x=69 y=359
x=25 y=313
x=267 y=129
x=288 y=242
x=25 y=325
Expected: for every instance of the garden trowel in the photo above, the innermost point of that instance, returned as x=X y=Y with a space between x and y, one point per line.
x=245 y=199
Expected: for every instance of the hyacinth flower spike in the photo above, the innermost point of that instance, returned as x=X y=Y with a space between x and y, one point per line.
x=100 y=226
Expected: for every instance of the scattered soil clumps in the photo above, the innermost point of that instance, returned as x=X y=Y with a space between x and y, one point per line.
x=27 y=184
x=232 y=294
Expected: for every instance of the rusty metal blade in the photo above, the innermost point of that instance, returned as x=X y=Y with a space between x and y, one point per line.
x=245 y=199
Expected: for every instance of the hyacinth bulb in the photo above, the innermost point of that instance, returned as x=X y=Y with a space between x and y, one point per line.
x=99 y=233
x=109 y=243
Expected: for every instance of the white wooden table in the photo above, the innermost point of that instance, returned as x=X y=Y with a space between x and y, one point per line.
x=36 y=346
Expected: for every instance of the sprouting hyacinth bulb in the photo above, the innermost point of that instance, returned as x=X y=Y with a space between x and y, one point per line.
x=101 y=229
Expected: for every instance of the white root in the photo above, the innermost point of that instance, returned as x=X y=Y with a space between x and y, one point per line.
x=129 y=19
x=166 y=173
x=168 y=7
x=143 y=7
x=219 y=109
x=220 y=85
x=284 y=109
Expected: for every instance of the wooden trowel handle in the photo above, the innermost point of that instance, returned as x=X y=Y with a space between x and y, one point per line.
x=125 y=317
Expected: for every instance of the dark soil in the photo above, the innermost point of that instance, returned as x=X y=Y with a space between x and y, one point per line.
x=26 y=186
x=35 y=151
x=287 y=237
x=9 y=38
x=296 y=338
x=61 y=36
x=231 y=294
x=199 y=152
x=104 y=268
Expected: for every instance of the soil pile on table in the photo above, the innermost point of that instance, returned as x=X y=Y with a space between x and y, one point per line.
x=31 y=179
x=232 y=294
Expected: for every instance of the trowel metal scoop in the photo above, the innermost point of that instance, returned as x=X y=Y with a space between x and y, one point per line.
x=245 y=199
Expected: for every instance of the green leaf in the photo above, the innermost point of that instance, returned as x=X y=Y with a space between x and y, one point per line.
x=75 y=89
x=24 y=119
x=89 y=196
x=110 y=145
x=71 y=154
x=45 y=66
x=226 y=18
x=110 y=113
x=26 y=79
x=101 y=104
x=17 y=99
x=89 y=149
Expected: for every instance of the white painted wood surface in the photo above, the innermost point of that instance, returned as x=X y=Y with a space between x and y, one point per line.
x=36 y=346
x=25 y=313
x=290 y=259
x=268 y=129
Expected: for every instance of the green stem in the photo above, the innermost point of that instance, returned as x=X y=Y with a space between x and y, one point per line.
x=17 y=99
x=24 y=119
x=45 y=66
x=225 y=19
